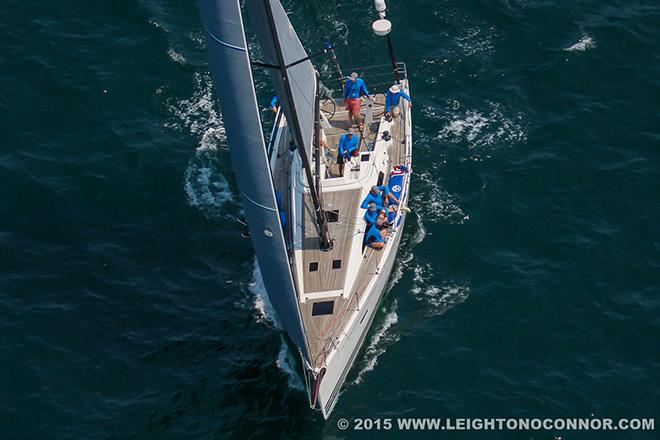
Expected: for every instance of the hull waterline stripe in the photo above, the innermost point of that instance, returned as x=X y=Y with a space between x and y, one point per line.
x=231 y=46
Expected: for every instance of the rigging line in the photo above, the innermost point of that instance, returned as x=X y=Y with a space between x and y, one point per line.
x=231 y=46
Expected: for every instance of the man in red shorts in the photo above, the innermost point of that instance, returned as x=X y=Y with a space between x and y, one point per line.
x=354 y=88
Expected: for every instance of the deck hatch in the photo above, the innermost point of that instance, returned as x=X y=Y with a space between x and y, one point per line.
x=313 y=266
x=336 y=264
x=323 y=308
x=332 y=215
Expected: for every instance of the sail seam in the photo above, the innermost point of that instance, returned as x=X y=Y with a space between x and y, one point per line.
x=231 y=46
x=259 y=204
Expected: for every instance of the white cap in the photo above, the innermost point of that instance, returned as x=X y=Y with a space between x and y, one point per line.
x=395 y=89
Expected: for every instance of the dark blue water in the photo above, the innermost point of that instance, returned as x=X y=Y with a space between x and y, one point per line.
x=529 y=277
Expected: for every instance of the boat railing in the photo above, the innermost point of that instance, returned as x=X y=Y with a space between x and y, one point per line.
x=378 y=78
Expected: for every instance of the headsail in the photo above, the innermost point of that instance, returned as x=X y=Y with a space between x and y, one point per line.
x=301 y=76
x=230 y=64
x=296 y=83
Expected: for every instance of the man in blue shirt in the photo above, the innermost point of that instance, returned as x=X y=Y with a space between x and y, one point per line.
x=273 y=104
x=348 y=147
x=375 y=238
x=373 y=197
x=371 y=215
x=394 y=95
x=355 y=86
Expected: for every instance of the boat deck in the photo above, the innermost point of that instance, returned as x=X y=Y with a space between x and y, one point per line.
x=329 y=277
x=322 y=332
x=324 y=273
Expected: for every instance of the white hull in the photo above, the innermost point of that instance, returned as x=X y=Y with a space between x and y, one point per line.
x=340 y=364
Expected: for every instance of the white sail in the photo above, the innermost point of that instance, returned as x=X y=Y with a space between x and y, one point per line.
x=234 y=87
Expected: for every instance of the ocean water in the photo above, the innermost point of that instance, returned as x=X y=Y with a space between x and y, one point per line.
x=528 y=280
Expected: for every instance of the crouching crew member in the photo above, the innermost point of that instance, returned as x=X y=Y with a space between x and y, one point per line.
x=394 y=95
x=348 y=147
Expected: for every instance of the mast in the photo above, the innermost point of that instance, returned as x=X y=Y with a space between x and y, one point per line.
x=317 y=136
x=314 y=189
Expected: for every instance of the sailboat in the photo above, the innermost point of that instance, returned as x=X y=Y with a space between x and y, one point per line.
x=303 y=212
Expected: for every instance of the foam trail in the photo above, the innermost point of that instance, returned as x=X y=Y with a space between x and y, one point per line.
x=379 y=343
x=443 y=298
x=205 y=186
x=287 y=364
x=584 y=43
x=399 y=267
x=265 y=311
x=176 y=56
x=437 y=299
x=483 y=131
x=435 y=205
x=286 y=361
x=420 y=235
x=198 y=113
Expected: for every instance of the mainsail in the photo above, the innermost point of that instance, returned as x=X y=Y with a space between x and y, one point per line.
x=234 y=87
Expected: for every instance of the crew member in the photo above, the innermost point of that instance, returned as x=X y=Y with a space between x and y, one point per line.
x=375 y=197
x=348 y=147
x=274 y=104
x=376 y=236
x=394 y=95
x=371 y=215
x=355 y=86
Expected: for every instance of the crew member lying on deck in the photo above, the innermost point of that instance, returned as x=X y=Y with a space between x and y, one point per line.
x=377 y=234
x=348 y=147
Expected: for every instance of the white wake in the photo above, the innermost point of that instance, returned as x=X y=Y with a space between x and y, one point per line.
x=584 y=43
x=378 y=344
